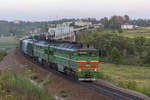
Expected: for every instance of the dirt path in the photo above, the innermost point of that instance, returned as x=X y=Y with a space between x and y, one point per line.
x=14 y=62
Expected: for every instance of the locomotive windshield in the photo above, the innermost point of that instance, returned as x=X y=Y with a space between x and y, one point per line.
x=93 y=53
x=88 y=53
x=83 y=53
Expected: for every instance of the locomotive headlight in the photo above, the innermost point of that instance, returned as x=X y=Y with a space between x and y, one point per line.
x=79 y=69
x=96 y=69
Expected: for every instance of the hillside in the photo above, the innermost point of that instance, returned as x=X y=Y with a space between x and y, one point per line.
x=59 y=87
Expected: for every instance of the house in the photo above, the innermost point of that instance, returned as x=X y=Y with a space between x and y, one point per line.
x=61 y=31
x=129 y=27
x=82 y=23
x=67 y=23
x=16 y=22
x=98 y=25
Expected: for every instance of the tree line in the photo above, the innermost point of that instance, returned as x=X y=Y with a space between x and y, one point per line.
x=141 y=22
x=115 y=22
x=118 y=49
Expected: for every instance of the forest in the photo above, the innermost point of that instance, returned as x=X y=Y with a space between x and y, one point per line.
x=116 y=48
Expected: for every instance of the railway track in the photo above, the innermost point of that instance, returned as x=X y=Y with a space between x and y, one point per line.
x=113 y=93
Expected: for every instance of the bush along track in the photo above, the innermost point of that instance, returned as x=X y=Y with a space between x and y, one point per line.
x=14 y=87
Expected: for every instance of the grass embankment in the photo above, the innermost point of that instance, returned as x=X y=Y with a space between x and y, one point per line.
x=131 y=77
x=8 y=42
x=13 y=87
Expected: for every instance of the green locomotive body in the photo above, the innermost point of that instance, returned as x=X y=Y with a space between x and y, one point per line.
x=27 y=47
x=69 y=58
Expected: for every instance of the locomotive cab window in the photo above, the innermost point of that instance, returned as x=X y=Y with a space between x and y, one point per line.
x=82 y=54
x=92 y=53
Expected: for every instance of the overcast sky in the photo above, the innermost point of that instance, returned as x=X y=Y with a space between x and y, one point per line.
x=41 y=10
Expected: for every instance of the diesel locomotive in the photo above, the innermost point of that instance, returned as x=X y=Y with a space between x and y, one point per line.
x=70 y=58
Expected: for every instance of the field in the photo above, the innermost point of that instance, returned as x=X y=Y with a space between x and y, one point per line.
x=144 y=31
x=139 y=74
x=8 y=42
x=117 y=74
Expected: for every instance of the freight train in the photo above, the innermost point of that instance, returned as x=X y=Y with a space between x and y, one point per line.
x=70 y=58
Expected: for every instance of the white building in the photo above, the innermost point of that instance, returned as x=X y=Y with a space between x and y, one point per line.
x=98 y=25
x=82 y=23
x=17 y=22
x=67 y=23
x=61 y=31
x=128 y=27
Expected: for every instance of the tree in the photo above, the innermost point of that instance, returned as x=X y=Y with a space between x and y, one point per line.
x=139 y=45
x=115 y=55
x=105 y=22
x=115 y=22
x=126 y=19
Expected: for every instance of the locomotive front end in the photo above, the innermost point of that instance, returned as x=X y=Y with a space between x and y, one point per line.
x=87 y=65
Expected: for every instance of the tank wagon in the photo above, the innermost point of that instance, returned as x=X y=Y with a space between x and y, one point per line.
x=70 y=58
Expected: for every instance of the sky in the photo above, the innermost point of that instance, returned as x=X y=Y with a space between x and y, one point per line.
x=47 y=10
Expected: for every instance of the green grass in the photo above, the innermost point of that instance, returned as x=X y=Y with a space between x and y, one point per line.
x=8 y=42
x=41 y=80
x=14 y=87
x=27 y=72
x=125 y=72
x=63 y=92
x=145 y=32
x=47 y=82
x=2 y=55
x=34 y=77
x=131 y=77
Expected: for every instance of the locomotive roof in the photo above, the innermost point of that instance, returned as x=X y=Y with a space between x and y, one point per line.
x=62 y=46
x=66 y=46
x=42 y=43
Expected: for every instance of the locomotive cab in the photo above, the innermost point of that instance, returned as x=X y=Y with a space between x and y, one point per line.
x=87 y=65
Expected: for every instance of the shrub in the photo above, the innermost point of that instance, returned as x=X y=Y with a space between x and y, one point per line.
x=103 y=76
x=27 y=72
x=47 y=82
x=145 y=91
x=132 y=85
x=63 y=92
x=132 y=60
x=128 y=85
x=34 y=77
x=41 y=80
x=32 y=69
x=115 y=56
x=2 y=55
x=64 y=95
